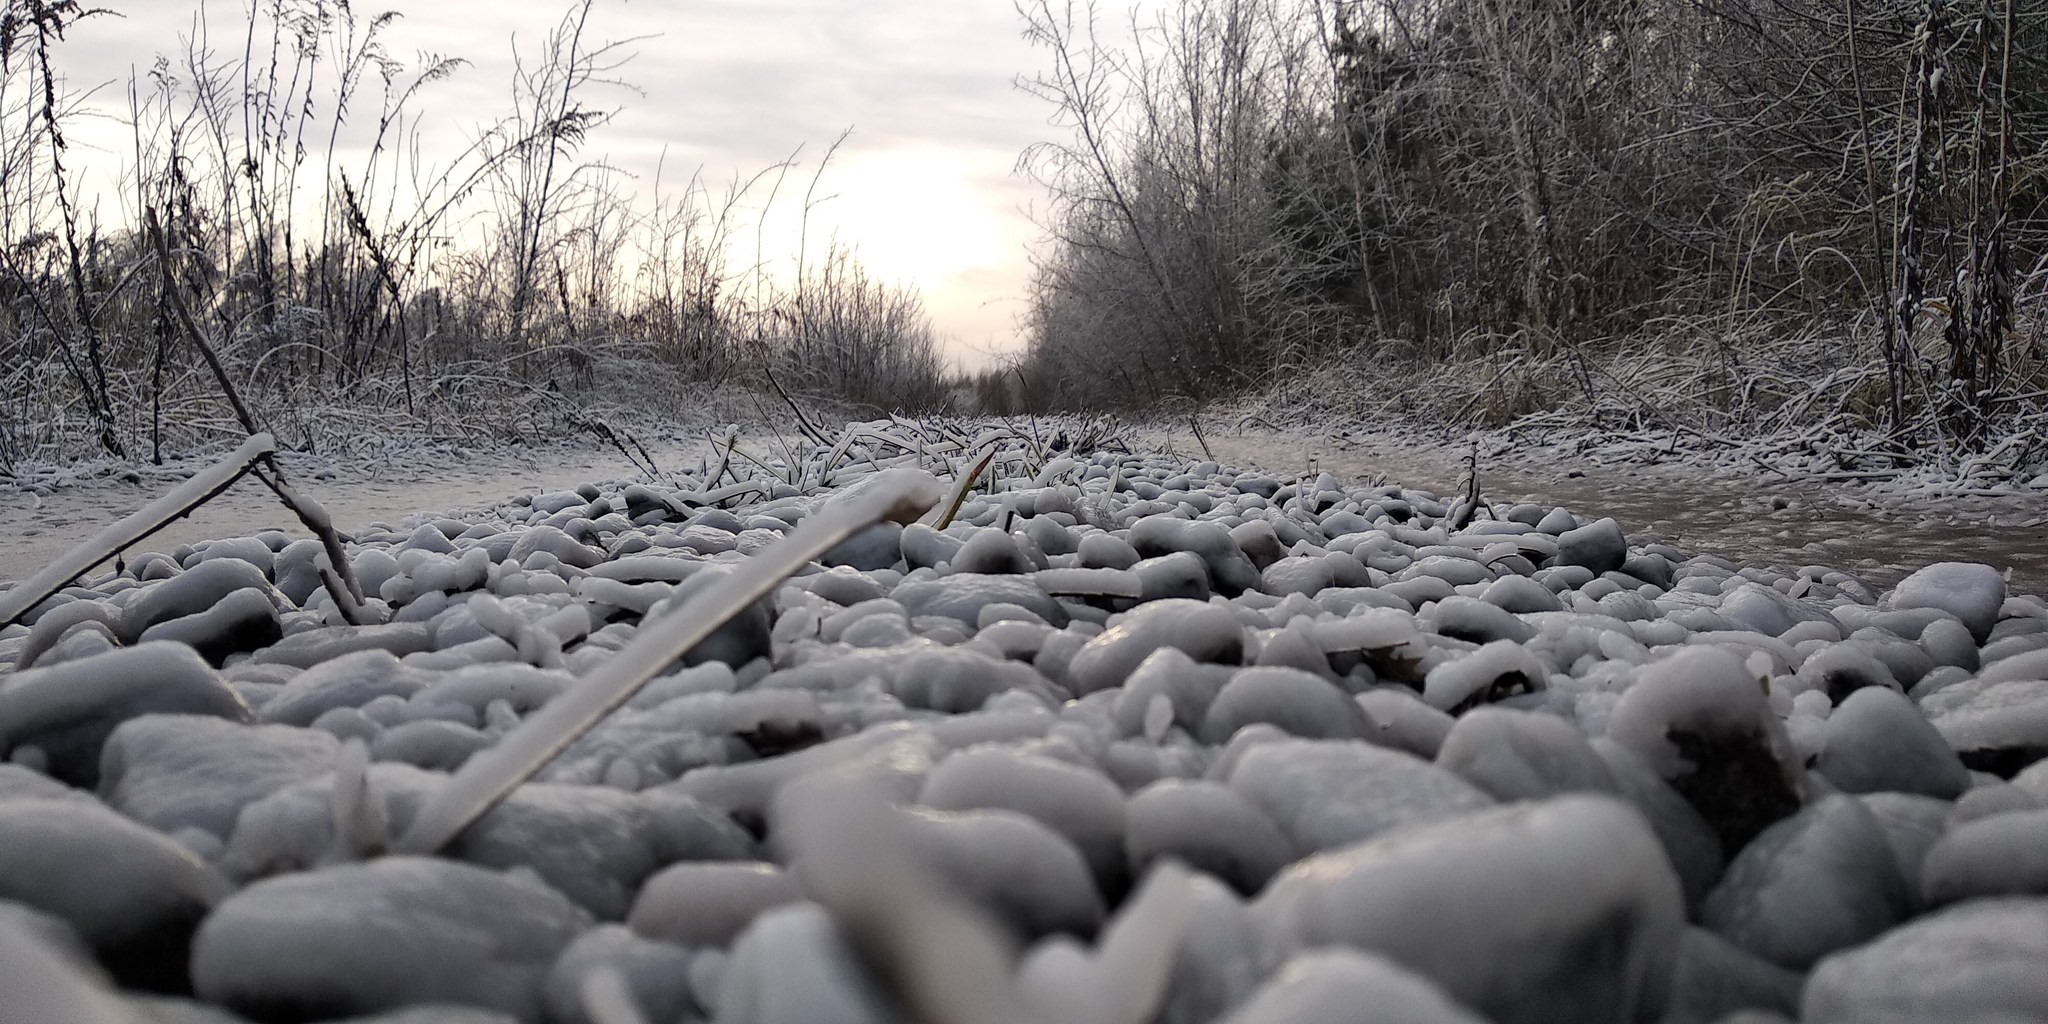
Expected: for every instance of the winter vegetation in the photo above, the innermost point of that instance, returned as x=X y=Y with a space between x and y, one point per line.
x=954 y=718
x=1725 y=215
x=1717 y=222
x=279 y=231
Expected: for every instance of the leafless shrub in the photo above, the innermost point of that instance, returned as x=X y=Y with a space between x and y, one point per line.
x=337 y=264
x=1511 y=185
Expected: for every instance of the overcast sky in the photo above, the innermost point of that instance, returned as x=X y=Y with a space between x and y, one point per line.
x=925 y=185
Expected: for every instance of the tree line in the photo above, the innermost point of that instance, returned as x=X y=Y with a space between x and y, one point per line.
x=1249 y=189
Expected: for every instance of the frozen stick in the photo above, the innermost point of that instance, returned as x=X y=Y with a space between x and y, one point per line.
x=133 y=528
x=485 y=779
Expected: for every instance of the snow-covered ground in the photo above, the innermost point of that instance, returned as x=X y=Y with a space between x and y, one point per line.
x=1120 y=738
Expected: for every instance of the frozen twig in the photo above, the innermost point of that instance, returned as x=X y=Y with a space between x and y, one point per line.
x=486 y=778
x=152 y=517
x=338 y=575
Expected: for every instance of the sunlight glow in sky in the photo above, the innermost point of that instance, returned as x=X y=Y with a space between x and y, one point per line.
x=924 y=188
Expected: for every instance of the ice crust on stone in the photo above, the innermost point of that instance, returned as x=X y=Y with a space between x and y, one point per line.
x=67 y=711
x=1208 y=826
x=654 y=975
x=357 y=939
x=1203 y=631
x=708 y=903
x=1021 y=871
x=1715 y=980
x=1997 y=855
x=1877 y=741
x=1978 y=960
x=1823 y=879
x=1074 y=802
x=1325 y=794
x=1969 y=591
x=1496 y=671
x=1298 y=702
x=1701 y=719
x=1520 y=755
x=45 y=982
x=132 y=893
x=1502 y=909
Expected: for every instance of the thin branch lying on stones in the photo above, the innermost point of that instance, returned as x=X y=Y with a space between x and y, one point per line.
x=132 y=529
x=486 y=778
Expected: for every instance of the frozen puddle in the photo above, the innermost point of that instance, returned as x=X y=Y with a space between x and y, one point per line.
x=1113 y=739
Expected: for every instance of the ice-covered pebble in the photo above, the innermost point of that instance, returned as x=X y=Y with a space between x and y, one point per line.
x=1299 y=702
x=67 y=711
x=242 y=621
x=1401 y=720
x=45 y=981
x=1330 y=793
x=1598 y=546
x=1207 y=826
x=323 y=645
x=1521 y=594
x=1343 y=986
x=1502 y=909
x=655 y=975
x=186 y=771
x=1011 y=865
x=1877 y=741
x=348 y=681
x=1701 y=720
x=193 y=591
x=1496 y=671
x=1203 y=631
x=793 y=967
x=1075 y=802
x=133 y=894
x=1522 y=755
x=962 y=596
x=1715 y=979
x=1975 y=961
x=1970 y=591
x=361 y=938
x=1821 y=880
x=1998 y=855
x=1229 y=567
x=2000 y=728
x=1479 y=621
x=594 y=844
x=708 y=903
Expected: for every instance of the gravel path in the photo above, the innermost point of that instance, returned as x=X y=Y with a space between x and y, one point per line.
x=1114 y=739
